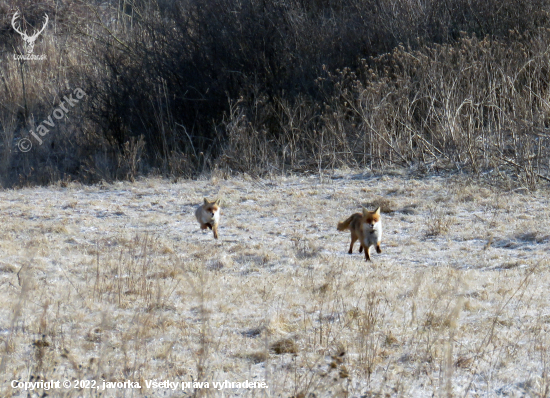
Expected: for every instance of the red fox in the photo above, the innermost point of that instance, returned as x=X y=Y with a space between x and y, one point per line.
x=208 y=215
x=366 y=227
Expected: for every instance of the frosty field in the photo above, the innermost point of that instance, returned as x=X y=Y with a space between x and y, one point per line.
x=116 y=283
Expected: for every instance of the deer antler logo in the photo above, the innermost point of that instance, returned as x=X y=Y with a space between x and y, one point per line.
x=28 y=44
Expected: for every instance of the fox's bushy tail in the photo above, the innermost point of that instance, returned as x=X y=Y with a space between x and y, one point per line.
x=342 y=226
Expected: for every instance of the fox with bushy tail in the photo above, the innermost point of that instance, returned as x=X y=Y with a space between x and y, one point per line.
x=365 y=227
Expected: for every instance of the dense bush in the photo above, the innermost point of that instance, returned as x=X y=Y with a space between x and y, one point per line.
x=271 y=86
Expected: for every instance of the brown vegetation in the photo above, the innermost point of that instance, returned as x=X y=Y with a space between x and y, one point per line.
x=180 y=88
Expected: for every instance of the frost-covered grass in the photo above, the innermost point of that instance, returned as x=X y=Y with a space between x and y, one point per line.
x=117 y=282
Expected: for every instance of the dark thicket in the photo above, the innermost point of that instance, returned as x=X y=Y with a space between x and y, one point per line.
x=260 y=86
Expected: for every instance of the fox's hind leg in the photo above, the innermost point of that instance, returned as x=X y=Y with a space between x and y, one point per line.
x=353 y=239
x=361 y=249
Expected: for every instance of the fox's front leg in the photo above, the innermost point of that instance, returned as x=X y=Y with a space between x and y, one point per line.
x=215 y=230
x=378 y=250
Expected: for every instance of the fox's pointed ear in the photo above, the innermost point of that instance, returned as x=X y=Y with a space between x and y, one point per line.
x=206 y=201
x=217 y=202
x=377 y=211
x=365 y=212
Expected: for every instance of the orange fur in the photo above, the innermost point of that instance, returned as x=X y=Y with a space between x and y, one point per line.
x=208 y=215
x=365 y=227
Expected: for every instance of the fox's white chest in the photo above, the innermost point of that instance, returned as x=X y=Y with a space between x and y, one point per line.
x=372 y=234
x=216 y=217
x=207 y=217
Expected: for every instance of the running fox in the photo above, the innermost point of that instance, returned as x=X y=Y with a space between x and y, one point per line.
x=366 y=227
x=208 y=215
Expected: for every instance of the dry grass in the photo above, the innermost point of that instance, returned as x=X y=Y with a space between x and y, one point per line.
x=117 y=282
